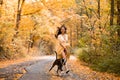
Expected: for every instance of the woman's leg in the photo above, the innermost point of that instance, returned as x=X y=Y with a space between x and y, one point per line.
x=64 y=55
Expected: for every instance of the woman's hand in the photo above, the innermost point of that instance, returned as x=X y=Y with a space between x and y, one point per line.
x=63 y=45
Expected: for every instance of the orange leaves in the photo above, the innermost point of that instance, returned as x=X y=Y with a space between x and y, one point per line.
x=58 y=4
x=26 y=23
x=32 y=8
x=85 y=73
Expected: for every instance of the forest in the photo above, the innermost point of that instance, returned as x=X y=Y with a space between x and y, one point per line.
x=27 y=28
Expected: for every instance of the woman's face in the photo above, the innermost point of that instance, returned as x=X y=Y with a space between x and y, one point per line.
x=62 y=30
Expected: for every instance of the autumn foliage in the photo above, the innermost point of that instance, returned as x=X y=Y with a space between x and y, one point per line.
x=27 y=27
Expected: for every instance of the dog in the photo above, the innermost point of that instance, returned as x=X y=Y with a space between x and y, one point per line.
x=59 y=63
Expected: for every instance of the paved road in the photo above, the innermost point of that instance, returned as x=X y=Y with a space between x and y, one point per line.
x=39 y=71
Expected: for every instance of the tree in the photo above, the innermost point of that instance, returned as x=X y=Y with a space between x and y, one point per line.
x=71 y=36
x=112 y=12
x=19 y=10
x=118 y=16
x=1 y=2
x=99 y=9
x=99 y=13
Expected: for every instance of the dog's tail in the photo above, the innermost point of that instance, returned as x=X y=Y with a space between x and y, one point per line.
x=55 y=54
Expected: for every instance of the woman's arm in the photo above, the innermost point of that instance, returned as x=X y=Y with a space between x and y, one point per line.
x=66 y=38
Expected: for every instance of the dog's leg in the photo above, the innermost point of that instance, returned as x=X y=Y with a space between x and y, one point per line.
x=59 y=68
x=54 y=62
x=52 y=66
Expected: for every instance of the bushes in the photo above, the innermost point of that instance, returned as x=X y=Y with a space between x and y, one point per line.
x=106 y=63
x=9 y=50
x=103 y=57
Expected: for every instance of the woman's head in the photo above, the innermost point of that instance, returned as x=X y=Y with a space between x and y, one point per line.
x=61 y=30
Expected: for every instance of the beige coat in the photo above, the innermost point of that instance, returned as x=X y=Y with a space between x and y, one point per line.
x=61 y=43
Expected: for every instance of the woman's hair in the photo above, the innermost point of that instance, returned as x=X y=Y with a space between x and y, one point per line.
x=59 y=30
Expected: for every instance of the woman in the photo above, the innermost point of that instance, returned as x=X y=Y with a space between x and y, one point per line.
x=62 y=45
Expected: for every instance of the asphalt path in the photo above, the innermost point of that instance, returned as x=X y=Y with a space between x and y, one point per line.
x=40 y=71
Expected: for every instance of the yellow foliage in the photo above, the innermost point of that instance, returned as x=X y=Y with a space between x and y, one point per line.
x=36 y=37
x=58 y=4
x=32 y=8
x=26 y=23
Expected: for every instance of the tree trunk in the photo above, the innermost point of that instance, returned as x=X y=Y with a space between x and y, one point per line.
x=112 y=13
x=99 y=14
x=99 y=9
x=31 y=42
x=71 y=36
x=1 y=2
x=86 y=9
x=77 y=31
x=18 y=17
x=118 y=16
